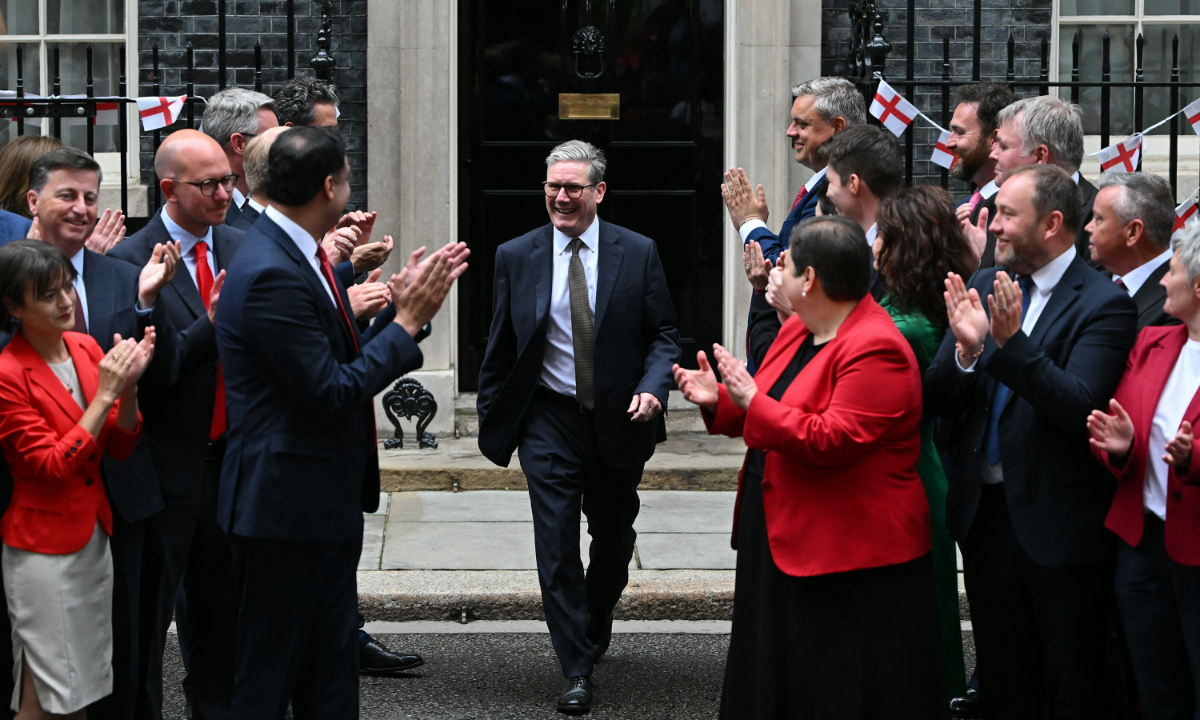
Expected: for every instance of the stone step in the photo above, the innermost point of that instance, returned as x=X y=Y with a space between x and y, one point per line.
x=686 y=461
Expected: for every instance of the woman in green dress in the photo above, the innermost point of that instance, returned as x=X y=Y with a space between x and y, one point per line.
x=919 y=241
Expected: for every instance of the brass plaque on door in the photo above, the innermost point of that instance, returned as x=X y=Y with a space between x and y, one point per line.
x=589 y=106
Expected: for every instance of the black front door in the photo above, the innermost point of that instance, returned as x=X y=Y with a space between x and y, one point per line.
x=665 y=60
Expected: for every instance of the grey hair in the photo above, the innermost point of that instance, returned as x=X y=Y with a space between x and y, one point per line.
x=580 y=151
x=1187 y=244
x=254 y=162
x=1047 y=120
x=834 y=97
x=234 y=111
x=1144 y=197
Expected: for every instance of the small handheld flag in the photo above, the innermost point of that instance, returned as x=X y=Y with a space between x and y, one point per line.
x=891 y=109
x=942 y=154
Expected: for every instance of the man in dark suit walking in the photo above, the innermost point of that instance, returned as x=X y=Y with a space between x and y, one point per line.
x=1040 y=130
x=1027 y=501
x=575 y=379
x=1130 y=233
x=185 y=425
x=113 y=297
x=301 y=464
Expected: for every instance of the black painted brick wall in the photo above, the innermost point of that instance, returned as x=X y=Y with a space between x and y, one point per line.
x=1027 y=20
x=172 y=24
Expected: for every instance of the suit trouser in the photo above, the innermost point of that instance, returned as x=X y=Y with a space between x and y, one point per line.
x=296 y=639
x=195 y=562
x=1159 y=600
x=127 y=545
x=566 y=473
x=1041 y=634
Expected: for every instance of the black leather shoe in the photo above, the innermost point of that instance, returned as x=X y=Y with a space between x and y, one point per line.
x=599 y=631
x=576 y=698
x=967 y=706
x=375 y=659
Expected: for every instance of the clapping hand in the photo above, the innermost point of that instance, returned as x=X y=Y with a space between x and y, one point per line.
x=109 y=230
x=369 y=298
x=367 y=257
x=364 y=222
x=757 y=267
x=418 y=299
x=738 y=383
x=976 y=234
x=158 y=272
x=1112 y=433
x=115 y=367
x=699 y=387
x=741 y=201
x=968 y=320
x=214 y=295
x=776 y=298
x=1005 y=304
x=1179 y=449
x=339 y=244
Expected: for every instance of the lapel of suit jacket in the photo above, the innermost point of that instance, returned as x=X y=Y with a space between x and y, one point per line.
x=1151 y=295
x=1066 y=292
x=608 y=266
x=328 y=310
x=40 y=374
x=103 y=298
x=1161 y=358
x=541 y=258
x=87 y=370
x=181 y=283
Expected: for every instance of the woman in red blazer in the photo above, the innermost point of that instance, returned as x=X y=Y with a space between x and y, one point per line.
x=63 y=404
x=835 y=614
x=1146 y=441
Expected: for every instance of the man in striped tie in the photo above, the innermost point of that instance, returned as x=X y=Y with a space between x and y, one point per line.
x=575 y=379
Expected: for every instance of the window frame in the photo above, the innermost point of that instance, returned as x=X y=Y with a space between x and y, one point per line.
x=110 y=162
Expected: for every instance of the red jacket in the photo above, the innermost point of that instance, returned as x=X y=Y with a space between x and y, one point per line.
x=1146 y=373
x=840 y=486
x=58 y=492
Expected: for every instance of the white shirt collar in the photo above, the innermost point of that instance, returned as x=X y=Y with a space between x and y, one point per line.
x=1075 y=177
x=259 y=208
x=1047 y=277
x=1138 y=276
x=989 y=190
x=238 y=198
x=590 y=238
x=300 y=236
x=187 y=241
x=816 y=178
x=872 y=233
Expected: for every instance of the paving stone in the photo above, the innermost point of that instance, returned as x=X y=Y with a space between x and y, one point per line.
x=373 y=526
x=684 y=511
x=669 y=551
x=480 y=506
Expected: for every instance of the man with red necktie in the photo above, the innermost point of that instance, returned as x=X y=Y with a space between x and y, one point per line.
x=187 y=438
x=301 y=465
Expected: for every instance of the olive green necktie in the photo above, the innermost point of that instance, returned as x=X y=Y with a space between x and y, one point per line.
x=581 y=331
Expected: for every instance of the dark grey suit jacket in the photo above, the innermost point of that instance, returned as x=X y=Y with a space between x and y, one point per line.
x=1150 y=299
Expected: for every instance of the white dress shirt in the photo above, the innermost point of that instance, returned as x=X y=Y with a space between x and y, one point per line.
x=1181 y=387
x=80 y=290
x=258 y=208
x=987 y=191
x=238 y=198
x=558 y=363
x=754 y=223
x=187 y=246
x=1138 y=276
x=307 y=245
x=872 y=233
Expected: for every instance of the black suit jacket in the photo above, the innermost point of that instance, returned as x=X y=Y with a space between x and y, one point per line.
x=232 y=213
x=246 y=219
x=1150 y=299
x=112 y=288
x=1058 y=495
x=988 y=259
x=1083 y=239
x=178 y=419
x=636 y=342
x=300 y=462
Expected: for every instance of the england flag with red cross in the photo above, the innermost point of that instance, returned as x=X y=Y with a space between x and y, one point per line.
x=891 y=109
x=159 y=112
x=1122 y=157
x=1185 y=213
x=1192 y=113
x=942 y=154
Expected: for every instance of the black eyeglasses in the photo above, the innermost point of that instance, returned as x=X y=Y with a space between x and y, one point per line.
x=573 y=191
x=209 y=187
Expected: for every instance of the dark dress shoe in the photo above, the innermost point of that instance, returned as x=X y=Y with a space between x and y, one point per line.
x=576 y=698
x=599 y=631
x=375 y=659
x=967 y=706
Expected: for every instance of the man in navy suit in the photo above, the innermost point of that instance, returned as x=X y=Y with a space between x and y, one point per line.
x=822 y=108
x=233 y=118
x=185 y=425
x=301 y=463
x=114 y=297
x=575 y=378
x=13 y=227
x=1023 y=366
